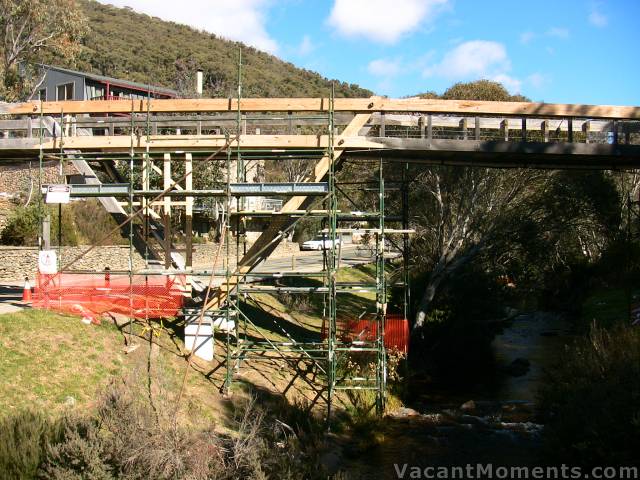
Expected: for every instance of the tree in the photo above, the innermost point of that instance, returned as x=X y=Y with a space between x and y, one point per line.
x=29 y=29
x=463 y=211
x=463 y=208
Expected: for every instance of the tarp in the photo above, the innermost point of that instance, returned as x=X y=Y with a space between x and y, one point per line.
x=91 y=295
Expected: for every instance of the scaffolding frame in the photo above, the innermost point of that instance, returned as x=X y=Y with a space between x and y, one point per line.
x=327 y=355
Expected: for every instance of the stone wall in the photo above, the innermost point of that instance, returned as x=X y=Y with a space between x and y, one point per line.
x=18 y=262
x=19 y=178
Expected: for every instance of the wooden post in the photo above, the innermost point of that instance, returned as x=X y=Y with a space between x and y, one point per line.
x=504 y=130
x=477 y=128
x=199 y=128
x=29 y=127
x=614 y=126
x=586 y=129
x=524 y=129
x=463 y=127
x=166 y=170
x=570 y=129
x=188 y=168
x=429 y=128
x=544 y=128
x=383 y=132
x=290 y=123
x=423 y=126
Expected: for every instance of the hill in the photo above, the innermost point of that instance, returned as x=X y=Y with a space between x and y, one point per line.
x=125 y=44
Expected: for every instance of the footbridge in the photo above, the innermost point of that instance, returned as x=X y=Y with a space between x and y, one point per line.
x=141 y=159
x=499 y=134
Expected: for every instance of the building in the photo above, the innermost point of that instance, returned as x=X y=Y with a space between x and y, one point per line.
x=64 y=84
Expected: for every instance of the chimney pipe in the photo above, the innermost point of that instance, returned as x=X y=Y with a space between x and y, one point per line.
x=199 y=82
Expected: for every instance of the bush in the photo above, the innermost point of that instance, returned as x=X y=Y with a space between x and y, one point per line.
x=23 y=226
x=134 y=435
x=25 y=437
x=592 y=401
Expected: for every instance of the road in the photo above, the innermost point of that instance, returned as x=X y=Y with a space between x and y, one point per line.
x=311 y=261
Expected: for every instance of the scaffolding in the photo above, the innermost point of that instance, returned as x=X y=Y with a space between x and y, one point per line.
x=325 y=354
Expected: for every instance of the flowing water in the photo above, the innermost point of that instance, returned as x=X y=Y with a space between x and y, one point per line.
x=499 y=427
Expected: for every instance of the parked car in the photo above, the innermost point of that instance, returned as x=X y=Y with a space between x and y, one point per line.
x=319 y=243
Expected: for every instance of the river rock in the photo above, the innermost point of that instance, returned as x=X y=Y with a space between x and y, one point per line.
x=468 y=406
x=519 y=367
x=404 y=412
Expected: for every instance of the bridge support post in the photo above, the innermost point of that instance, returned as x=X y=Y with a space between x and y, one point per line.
x=544 y=128
x=504 y=130
x=586 y=129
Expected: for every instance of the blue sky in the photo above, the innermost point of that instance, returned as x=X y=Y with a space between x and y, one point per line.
x=565 y=51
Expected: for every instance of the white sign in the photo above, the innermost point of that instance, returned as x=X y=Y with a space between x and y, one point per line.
x=48 y=262
x=58 y=193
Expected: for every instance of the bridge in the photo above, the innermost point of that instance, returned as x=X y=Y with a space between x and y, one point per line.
x=162 y=139
x=498 y=134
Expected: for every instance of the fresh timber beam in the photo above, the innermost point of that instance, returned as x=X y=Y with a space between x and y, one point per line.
x=358 y=105
x=268 y=240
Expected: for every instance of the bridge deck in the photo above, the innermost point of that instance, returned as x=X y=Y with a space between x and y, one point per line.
x=501 y=134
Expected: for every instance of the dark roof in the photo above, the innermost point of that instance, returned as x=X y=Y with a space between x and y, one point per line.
x=119 y=81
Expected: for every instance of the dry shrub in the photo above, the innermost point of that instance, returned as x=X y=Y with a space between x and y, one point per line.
x=134 y=435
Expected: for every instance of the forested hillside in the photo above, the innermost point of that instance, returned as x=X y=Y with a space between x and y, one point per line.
x=125 y=44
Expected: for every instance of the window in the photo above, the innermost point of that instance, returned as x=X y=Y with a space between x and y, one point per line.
x=42 y=94
x=64 y=92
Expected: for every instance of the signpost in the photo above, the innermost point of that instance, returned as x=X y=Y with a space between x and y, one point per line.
x=58 y=194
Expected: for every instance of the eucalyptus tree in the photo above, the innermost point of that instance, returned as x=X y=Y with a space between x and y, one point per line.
x=29 y=29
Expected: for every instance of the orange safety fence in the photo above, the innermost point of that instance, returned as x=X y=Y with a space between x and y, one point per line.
x=396 y=331
x=91 y=295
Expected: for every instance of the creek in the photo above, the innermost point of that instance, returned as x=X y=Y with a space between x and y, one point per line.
x=490 y=420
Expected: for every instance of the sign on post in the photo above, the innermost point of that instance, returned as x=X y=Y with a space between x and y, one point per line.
x=58 y=194
x=47 y=262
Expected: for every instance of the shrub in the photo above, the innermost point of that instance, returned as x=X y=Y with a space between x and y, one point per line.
x=25 y=437
x=592 y=401
x=23 y=226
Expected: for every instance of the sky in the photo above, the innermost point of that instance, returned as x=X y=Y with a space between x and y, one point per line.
x=560 y=51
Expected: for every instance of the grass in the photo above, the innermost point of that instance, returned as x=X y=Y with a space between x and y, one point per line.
x=608 y=307
x=47 y=358
x=52 y=361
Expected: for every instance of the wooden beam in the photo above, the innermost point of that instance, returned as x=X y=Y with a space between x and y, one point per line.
x=267 y=241
x=357 y=105
x=189 y=211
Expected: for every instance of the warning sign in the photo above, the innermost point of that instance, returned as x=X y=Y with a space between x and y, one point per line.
x=47 y=262
x=58 y=194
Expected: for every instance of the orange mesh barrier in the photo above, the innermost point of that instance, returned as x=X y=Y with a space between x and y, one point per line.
x=396 y=331
x=91 y=295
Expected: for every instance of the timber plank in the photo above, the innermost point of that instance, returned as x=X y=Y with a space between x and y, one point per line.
x=358 y=105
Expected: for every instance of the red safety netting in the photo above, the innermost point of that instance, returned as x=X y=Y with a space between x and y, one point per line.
x=91 y=295
x=396 y=331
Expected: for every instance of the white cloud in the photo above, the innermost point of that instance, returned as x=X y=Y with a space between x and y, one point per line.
x=306 y=46
x=596 y=17
x=538 y=80
x=558 y=32
x=383 y=67
x=526 y=37
x=381 y=20
x=513 y=85
x=474 y=60
x=555 y=32
x=241 y=20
